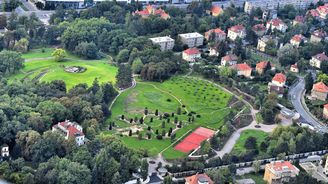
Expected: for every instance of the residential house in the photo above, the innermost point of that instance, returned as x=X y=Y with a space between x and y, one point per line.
x=237 y=31
x=243 y=69
x=4 y=152
x=313 y=13
x=317 y=60
x=297 y=40
x=216 y=11
x=262 y=66
x=213 y=51
x=294 y=68
x=279 y=172
x=277 y=85
x=277 y=24
x=259 y=29
x=319 y=91
x=166 y=43
x=323 y=11
x=191 y=54
x=192 y=39
x=150 y=10
x=318 y=35
x=215 y=35
x=229 y=60
x=325 y=111
x=199 y=179
x=298 y=20
x=263 y=41
x=70 y=130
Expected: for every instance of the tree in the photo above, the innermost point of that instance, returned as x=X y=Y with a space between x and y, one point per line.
x=3 y=21
x=123 y=56
x=250 y=143
x=257 y=166
x=137 y=66
x=308 y=82
x=124 y=76
x=144 y=169
x=10 y=62
x=59 y=54
x=117 y=178
x=11 y=5
x=22 y=45
x=88 y=50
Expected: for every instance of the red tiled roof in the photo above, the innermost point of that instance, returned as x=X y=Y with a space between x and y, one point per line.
x=259 y=27
x=242 y=67
x=230 y=57
x=280 y=165
x=313 y=13
x=216 y=10
x=298 y=38
x=323 y=9
x=72 y=131
x=262 y=64
x=191 y=51
x=216 y=31
x=150 y=10
x=325 y=106
x=294 y=66
x=320 y=87
x=142 y=12
x=321 y=57
x=279 y=77
x=299 y=19
x=276 y=22
x=237 y=28
x=195 y=179
x=320 y=33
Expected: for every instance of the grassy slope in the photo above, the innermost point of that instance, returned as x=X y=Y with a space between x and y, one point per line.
x=239 y=146
x=54 y=70
x=191 y=93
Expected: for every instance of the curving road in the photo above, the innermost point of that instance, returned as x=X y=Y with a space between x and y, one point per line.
x=296 y=96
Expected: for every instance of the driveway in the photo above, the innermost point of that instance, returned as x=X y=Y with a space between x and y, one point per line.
x=296 y=96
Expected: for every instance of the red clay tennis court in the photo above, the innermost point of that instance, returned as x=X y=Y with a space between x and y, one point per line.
x=193 y=140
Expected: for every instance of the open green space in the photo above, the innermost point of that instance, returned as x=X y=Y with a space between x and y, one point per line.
x=201 y=104
x=258 y=178
x=258 y=134
x=40 y=66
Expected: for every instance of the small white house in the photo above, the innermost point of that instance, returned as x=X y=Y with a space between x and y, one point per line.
x=70 y=130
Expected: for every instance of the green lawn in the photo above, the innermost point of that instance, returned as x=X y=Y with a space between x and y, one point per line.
x=49 y=70
x=239 y=146
x=205 y=102
x=258 y=178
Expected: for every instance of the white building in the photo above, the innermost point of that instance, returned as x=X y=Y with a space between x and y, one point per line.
x=192 y=39
x=70 y=130
x=191 y=54
x=277 y=24
x=166 y=43
x=237 y=31
x=316 y=60
x=273 y=4
x=4 y=151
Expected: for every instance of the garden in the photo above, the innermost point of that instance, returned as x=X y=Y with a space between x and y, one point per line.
x=153 y=116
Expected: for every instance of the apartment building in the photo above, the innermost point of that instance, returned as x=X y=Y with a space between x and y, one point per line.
x=279 y=172
x=192 y=39
x=165 y=42
x=274 y=4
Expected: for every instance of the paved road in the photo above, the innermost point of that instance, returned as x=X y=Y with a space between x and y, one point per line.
x=296 y=94
x=29 y=5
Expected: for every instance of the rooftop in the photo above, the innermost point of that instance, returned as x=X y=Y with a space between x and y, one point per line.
x=162 y=39
x=242 y=67
x=191 y=35
x=230 y=57
x=276 y=22
x=262 y=64
x=321 y=57
x=199 y=178
x=237 y=28
x=282 y=166
x=279 y=77
x=191 y=51
x=320 y=87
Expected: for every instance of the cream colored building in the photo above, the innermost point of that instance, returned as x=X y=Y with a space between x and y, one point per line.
x=237 y=31
x=279 y=172
x=318 y=59
x=166 y=43
x=192 y=39
x=262 y=42
x=325 y=115
x=191 y=55
x=317 y=36
x=277 y=24
x=319 y=91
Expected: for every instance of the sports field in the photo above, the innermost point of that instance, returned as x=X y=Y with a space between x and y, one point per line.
x=183 y=101
x=41 y=66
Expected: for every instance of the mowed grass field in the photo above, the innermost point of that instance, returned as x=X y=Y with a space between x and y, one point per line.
x=258 y=134
x=41 y=66
x=207 y=103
